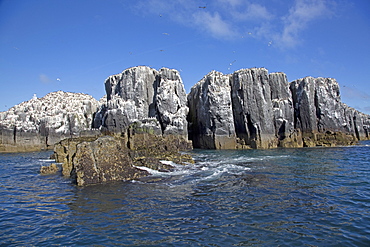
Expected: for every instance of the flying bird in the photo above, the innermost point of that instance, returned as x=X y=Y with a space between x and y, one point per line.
x=166 y=33
x=58 y=79
x=202 y=7
x=232 y=62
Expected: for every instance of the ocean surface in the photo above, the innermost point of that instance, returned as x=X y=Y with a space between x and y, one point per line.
x=280 y=197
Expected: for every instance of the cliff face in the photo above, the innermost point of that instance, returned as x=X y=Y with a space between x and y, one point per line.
x=211 y=118
x=156 y=98
x=320 y=114
x=249 y=108
x=41 y=122
x=254 y=109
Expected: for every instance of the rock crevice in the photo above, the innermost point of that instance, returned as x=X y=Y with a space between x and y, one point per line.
x=262 y=110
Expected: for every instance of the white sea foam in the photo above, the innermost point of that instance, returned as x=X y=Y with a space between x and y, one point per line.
x=207 y=168
x=47 y=160
x=151 y=171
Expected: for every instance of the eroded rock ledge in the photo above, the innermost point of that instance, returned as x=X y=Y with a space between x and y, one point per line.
x=120 y=157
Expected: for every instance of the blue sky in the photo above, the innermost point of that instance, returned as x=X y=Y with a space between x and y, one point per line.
x=74 y=45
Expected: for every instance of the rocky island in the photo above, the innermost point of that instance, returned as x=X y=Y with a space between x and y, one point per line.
x=254 y=109
x=146 y=119
x=39 y=123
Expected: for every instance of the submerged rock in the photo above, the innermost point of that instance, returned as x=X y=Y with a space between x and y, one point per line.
x=51 y=169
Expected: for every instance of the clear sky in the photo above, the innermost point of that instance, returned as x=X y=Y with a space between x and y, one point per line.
x=74 y=45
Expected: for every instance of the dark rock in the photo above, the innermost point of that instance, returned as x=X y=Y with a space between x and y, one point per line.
x=98 y=160
x=51 y=169
x=105 y=159
x=65 y=150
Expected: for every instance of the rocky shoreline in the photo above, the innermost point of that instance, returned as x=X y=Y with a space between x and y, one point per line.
x=127 y=156
x=146 y=116
x=254 y=109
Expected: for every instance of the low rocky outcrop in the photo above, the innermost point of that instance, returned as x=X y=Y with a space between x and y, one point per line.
x=144 y=94
x=254 y=109
x=41 y=122
x=119 y=157
x=50 y=169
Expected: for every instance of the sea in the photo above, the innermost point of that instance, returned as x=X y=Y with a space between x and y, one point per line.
x=278 y=197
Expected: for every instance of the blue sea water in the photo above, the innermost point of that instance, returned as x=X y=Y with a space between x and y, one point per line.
x=279 y=197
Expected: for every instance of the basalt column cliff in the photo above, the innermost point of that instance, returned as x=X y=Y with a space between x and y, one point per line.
x=254 y=109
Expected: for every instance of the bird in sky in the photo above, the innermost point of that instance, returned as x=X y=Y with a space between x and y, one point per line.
x=58 y=79
x=202 y=7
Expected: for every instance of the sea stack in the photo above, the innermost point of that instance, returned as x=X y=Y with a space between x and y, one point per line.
x=155 y=98
x=254 y=109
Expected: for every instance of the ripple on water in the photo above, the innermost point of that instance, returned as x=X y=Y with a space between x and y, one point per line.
x=316 y=196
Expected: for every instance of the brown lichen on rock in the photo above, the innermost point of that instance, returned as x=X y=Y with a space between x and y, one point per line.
x=51 y=169
x=117 y=158
x=102 y=160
